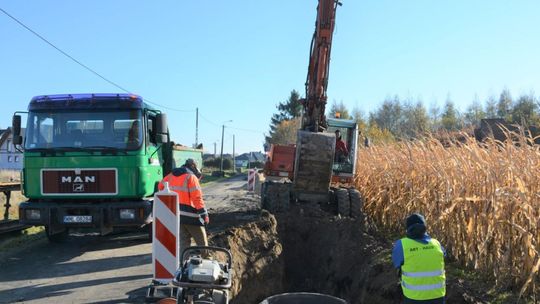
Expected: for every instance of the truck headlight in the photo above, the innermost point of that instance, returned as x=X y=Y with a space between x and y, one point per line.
x=32 y=214
x=127 y=214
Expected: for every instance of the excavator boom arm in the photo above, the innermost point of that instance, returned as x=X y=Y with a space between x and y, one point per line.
x=319 y=64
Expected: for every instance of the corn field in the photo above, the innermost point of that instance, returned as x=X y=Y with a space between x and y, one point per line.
x=482 y=201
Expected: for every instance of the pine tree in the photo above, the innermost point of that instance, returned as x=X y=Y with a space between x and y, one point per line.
x=339 y=107
x=491 y=107
x=287 y=110
x=475 y=113
x=504 y=105
x=450 y=116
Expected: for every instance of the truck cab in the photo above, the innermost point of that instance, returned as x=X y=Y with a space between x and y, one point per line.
x=91 y=160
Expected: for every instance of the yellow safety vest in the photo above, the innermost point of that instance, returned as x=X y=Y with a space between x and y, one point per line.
x=422 y=272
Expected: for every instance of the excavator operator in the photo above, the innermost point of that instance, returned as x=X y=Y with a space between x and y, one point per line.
x=341 y=148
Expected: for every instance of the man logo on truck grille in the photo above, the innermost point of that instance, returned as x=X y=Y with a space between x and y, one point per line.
x=79 y=182
x=78 y=179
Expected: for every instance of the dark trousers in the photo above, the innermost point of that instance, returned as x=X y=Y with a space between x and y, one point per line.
x=433 y=301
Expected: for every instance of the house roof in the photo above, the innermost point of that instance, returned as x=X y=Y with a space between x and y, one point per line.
x=4 y=135
x=252 y=157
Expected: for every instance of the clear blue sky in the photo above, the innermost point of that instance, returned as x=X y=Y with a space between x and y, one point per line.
x=237 y=59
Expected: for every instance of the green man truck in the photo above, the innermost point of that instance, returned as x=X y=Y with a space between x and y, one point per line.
x=93 y=160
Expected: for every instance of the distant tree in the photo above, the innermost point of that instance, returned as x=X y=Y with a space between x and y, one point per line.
x=504 y=105
x=491 y=107
x=434 y=116
x=388 y=115
x=474 y=113
x=339 y=107
x=414 y=120
x=525 y=110
x=287 y=110
x=216 y=163
x=359 y=116
x=377 y=135
x=450 y=116
x=285 y=132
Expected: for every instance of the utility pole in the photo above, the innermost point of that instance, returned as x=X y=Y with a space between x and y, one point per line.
x=221 y=160
x=233 y=157
x=222 y=139
x=196 y=127
x=215 y=149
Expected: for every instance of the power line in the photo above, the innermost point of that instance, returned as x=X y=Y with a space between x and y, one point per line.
x=246 y=130
x=208 y=120
x=82 y=64
x=228 y=127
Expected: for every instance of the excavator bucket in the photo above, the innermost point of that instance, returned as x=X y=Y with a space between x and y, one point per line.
x=313 y=167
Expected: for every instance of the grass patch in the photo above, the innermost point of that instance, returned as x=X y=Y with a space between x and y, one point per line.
x=460 y=273
x=208 y=178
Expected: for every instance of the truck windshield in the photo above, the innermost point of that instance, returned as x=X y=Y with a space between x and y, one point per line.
x=73 y=130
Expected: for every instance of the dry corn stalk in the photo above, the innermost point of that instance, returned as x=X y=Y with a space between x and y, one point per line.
x=482 y=201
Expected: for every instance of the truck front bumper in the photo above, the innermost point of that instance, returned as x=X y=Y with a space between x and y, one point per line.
x=103 y=215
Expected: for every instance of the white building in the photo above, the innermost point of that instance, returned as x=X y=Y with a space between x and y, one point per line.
x=10 y=158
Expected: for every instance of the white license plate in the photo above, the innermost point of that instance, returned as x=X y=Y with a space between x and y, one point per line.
x=283 y=173
x=77 y=218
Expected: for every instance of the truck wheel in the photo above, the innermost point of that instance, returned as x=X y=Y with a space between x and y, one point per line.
x=356 y=203
x=344 y=205
x=57 y=237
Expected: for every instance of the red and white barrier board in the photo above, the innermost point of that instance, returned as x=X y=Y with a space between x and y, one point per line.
x=165 y=238
x=251 y=179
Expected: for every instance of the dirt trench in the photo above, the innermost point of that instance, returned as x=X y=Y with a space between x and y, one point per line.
x=307 y=249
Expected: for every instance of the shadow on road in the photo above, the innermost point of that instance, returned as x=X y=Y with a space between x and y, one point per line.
x=56 y=269
x=50 y=260
x=35 y=292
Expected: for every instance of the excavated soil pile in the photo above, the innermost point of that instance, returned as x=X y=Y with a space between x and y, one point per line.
x=307 y=249
x=257 y=258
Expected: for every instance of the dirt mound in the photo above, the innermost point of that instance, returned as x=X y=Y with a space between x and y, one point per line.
x=257 y=258
x=307 y=249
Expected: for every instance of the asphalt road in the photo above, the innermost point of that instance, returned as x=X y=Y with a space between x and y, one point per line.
x=110 y=269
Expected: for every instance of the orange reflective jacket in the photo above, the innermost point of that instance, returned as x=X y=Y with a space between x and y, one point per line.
x=186 y=184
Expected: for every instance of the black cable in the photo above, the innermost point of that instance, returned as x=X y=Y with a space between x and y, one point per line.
x=208 y=120
x=246 y=130
x=82 y=64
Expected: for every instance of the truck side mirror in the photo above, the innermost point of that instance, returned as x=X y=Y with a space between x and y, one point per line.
x=162 y=129
x=16 y=129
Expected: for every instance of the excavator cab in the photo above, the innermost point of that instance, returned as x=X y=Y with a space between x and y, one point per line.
x=344 y=159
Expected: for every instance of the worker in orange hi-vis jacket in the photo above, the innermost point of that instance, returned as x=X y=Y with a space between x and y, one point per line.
x=193 y=213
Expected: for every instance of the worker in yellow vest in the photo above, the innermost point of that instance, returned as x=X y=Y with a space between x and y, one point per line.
x=421 y=261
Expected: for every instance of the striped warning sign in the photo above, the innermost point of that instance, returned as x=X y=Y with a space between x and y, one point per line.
x=165 y=239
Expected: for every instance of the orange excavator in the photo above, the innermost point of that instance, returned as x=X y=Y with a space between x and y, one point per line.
x=314 y=170
x=314 y=119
